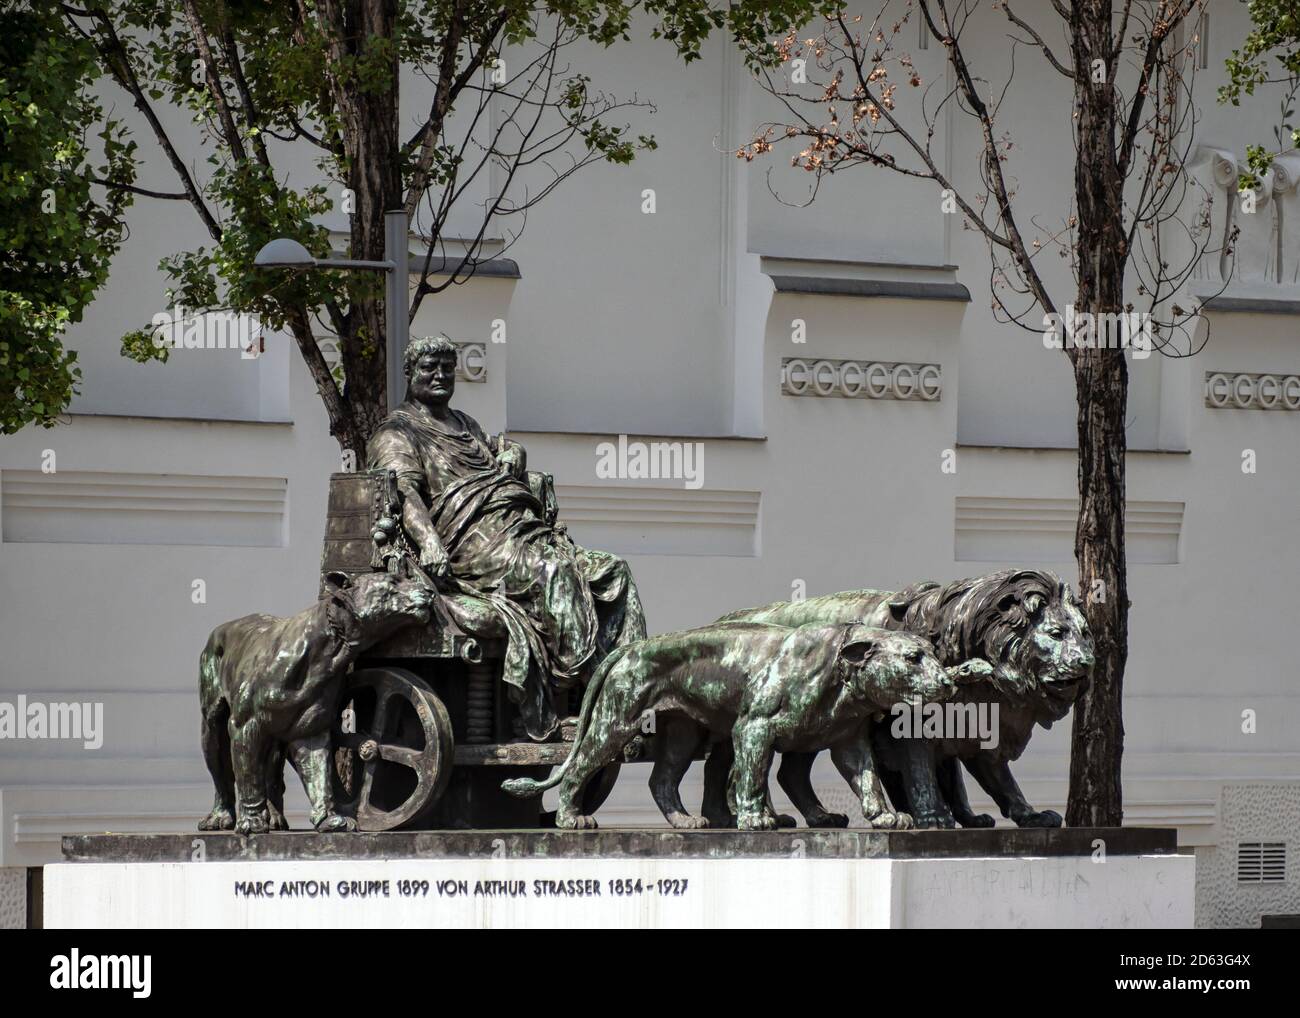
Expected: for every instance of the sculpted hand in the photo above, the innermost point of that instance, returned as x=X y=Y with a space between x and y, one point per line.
x=511 y=456
x=434 y=561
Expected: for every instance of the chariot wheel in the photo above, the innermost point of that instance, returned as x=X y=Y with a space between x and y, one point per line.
x=393 y=749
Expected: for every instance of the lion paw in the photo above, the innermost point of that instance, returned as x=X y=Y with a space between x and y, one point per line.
x=276 y=818
x=575 y=821
x=220 y=819
x=1047 y=818
x=977 y=820
x=824 y=819
x=941 y=821
x=890 y=821
x=756 y=822
x=253 y=824
x=786 y=820
x=336 y=823
x=686 y=822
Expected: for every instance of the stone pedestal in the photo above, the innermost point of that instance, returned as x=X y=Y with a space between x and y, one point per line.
x=1122 y=878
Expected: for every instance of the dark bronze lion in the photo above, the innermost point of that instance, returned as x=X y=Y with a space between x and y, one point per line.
x=1026 y=623
x=769 y=687
x=269 y=687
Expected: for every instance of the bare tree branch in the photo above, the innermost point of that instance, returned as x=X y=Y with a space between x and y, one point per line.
x=449 y=86
x=212 y=75
x=114 y=54
x=1038 y=40
x=114 y=185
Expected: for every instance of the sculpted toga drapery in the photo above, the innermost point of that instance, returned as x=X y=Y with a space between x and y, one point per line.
x=480 y=530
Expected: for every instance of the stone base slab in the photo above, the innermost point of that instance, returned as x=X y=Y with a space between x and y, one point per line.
x=626 y=843
x=830 y=879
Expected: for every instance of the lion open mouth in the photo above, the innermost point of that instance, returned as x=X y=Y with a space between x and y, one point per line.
x=1068 y=688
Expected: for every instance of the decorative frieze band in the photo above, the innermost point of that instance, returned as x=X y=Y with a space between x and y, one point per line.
x=993 y=529
x=471 y=358
x=1225 y=390
x=806 y=376
x=108 y=507
x=643 y=520
x=471 y=362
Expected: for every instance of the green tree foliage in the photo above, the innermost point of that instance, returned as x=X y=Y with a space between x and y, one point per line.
x=265 y=83
x=1269 y=56
x=260 y=80
x=59 y=229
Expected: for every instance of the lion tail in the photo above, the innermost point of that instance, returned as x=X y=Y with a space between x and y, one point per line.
x=525 y=787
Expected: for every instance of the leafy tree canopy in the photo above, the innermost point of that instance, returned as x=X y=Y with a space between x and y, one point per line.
x=1269 y=56
x=57 y=235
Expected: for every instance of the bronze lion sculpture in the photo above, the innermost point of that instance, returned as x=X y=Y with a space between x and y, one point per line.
x=270 y=686
x=1026 y=623
x=772 y=688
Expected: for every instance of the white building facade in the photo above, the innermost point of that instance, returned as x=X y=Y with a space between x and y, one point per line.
x=856 y=416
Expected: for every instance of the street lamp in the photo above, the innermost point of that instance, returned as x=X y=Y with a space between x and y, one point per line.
x=283 y=253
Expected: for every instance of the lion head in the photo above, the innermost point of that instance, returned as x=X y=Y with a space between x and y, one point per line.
x=886 y=667
x=1026 y=623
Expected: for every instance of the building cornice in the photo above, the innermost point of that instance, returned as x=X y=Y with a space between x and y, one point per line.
x=837 y=278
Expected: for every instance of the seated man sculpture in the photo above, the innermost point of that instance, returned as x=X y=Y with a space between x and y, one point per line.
x=477 y=528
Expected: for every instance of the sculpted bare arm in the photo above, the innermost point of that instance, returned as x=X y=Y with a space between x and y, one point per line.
x=391 y=451
x=415 y=521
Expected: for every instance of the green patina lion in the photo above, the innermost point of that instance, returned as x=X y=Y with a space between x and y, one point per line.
x=772 y=688
x=1026 y=623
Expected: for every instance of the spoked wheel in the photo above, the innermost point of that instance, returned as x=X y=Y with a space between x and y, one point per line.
x=393 y=751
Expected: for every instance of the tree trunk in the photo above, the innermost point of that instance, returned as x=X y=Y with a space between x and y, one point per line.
x=343 y=425
x=1101 y=383
x=373 y=158
x=1101 y=377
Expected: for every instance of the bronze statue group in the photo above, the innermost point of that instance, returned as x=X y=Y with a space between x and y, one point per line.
x=486 y=551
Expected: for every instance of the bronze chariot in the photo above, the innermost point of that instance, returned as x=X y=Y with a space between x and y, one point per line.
x=426 y=732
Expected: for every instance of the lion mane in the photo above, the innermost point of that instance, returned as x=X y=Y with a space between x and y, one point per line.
x=982 y=616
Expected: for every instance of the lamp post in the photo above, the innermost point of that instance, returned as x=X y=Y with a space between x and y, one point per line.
x=283 y=253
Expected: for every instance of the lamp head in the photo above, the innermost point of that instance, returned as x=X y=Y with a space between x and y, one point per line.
x=283 y=253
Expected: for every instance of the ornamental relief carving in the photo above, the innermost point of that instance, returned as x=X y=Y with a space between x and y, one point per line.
x=851 y=379
x=1228 y=390
x=1267 y=248
x=471 y=358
